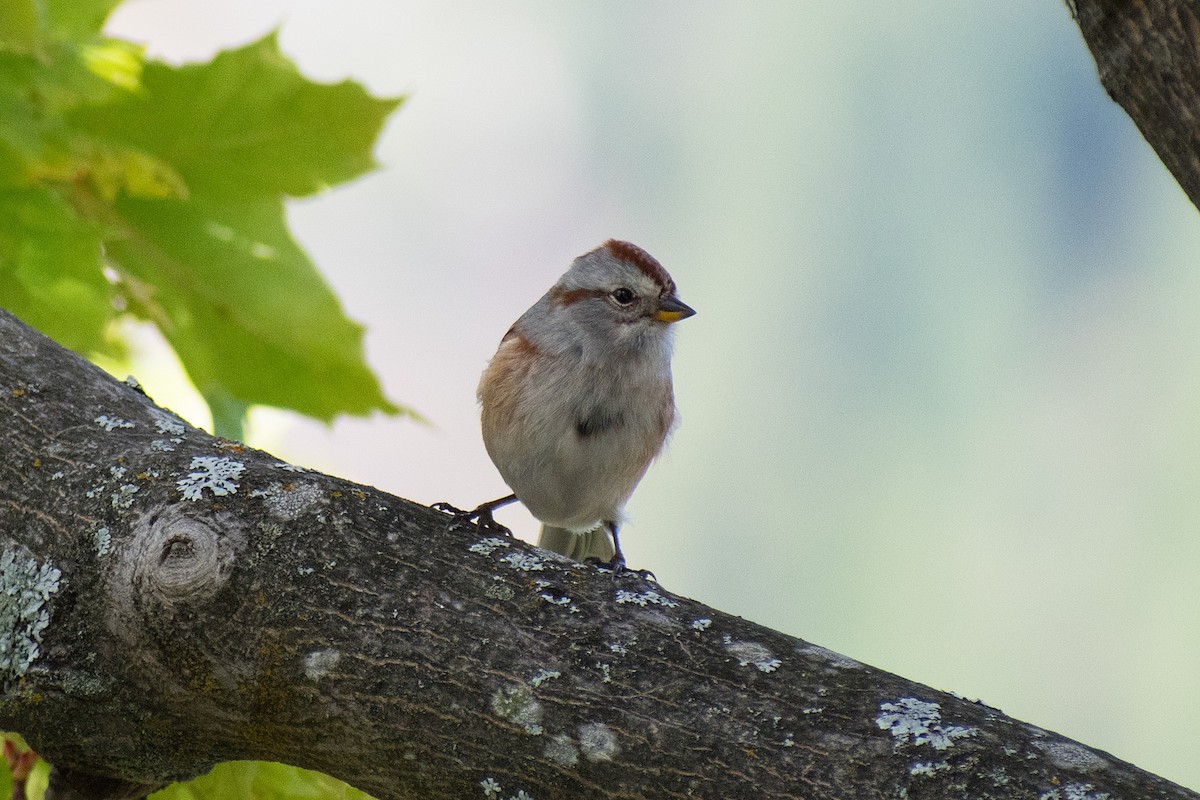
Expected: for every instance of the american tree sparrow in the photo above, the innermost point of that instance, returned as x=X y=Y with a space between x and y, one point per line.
x=578 y=401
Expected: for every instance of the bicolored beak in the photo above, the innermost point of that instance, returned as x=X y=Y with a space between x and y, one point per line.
x=672 y=309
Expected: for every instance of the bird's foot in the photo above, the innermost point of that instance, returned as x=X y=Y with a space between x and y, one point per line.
x=479 y=517
x=617 y=567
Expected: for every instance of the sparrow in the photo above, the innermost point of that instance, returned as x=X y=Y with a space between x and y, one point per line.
x=578 y=399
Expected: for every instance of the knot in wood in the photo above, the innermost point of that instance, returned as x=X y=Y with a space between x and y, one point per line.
x=177 y=559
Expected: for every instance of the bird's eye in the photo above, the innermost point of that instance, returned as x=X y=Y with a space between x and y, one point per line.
x=623 y=296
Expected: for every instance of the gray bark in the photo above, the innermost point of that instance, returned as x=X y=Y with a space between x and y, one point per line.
x=171 y=600
x=1148 y=57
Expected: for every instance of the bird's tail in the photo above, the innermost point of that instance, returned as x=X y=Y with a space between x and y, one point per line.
x=596 y=543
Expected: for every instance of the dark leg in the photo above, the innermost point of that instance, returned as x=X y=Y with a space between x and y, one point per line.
x=481 y=515
x=618 y=560
x=617 y=565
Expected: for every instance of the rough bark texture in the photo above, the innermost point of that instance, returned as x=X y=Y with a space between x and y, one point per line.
x=1148 y=55
x=169 y=600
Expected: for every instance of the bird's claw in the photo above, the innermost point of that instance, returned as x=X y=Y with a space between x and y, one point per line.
x=480 y=517
x=485 y=522
x=617 y=567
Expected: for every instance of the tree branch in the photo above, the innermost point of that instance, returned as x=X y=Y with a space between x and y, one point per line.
x=169 y=600
x=1148 y=55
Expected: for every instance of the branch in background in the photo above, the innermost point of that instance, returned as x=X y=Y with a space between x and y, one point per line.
x=1148 y=56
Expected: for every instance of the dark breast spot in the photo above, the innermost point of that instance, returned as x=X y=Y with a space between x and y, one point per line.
x=596 y=422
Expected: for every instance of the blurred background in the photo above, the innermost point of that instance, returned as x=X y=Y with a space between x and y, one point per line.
x=941 y=401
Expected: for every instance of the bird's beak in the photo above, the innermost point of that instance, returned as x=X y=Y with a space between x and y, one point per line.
x=672 y=309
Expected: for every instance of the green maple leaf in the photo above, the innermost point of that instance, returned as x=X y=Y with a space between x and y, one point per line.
x=247 y=124
x=49 y=271
x=256 y=779
x=243 y=306
x=159 y=189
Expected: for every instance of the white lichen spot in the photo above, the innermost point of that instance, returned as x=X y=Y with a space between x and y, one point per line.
x=117 y=472
x=645 y=598
x=517 y=705
x=927 y=767
x=283 y=465
x=999 y=776
x=133 y=383
x=543 y=676
x=919 y=721
x=289 y=501
x=165 y=423
x=110 y=424
x=521 y=795
x=812 y=710
x=318 y=663
x=56 y=476
x=123 y=497
x=1070 y=755
x=561 y=749
x=304 y=570
x=701 y=624
x=524 y=562
x=1074 y=791
x=25 y=589
x=557 y=601
x=210 y=472
x=1083 y=791
x=834 y=659
x=103 y=541
x=162 y=446
x=491 y=788
x=620 y=648
x=499 y=591
x=489 y=545
x=752 y=654
x=598 y=742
